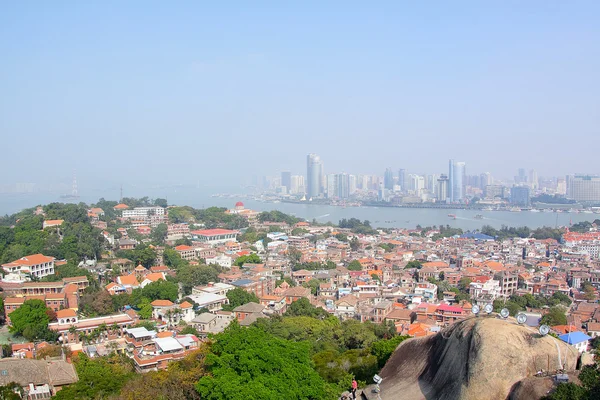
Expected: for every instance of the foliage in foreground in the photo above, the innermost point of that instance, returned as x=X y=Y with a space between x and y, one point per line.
x=250 y=363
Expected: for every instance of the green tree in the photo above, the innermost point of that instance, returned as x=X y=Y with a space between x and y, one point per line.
x=354 y=266
x=173 y=259
x=555 y=316
x=160 y=202
x=238 y=297
x=144 y=255
x=11 y=391
x=313 y=285
x=30 y=320
x=99 y=377
x=145 y=311
x=302 y=307
x=250 y=363
x=250 y=259
x=159 y=234
x=413 y=264
x=588 y=291
x=160 y=290
x=194 y=275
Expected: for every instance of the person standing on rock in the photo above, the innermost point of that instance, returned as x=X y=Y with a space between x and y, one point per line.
x=354 y=387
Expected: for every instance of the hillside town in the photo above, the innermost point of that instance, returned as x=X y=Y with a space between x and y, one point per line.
x=166 y=279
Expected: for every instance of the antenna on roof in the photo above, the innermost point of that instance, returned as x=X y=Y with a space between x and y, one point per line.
x=121 y=198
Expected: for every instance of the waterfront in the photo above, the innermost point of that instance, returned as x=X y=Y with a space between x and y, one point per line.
x=378 y=216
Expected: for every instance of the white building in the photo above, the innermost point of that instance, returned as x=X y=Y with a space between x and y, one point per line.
x=213 y=302
x=484 y=293
x=37 y=265
x=222 y=260
x=214 y=236
x=143 y=212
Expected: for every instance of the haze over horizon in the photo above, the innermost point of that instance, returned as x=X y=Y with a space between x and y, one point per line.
x=151 y=93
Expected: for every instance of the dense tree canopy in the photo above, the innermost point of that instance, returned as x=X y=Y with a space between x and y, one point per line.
x=250 y=363
x=277 y=216
x=238 y=297
x=354 y=265
x=356 y=226
x=194 y=275
x=248 y=259
x=31 y=321
x=98 y=377
x=303 y=308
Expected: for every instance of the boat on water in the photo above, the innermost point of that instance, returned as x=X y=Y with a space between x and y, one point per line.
x=514 y=209
x=479 y=216
x=535 y=210
x=487 y=209
x=453 y=216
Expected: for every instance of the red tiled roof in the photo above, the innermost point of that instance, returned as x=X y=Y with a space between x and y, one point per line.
x=33 y=259
x=66 y=313
x=213 y=232
x=162 y=303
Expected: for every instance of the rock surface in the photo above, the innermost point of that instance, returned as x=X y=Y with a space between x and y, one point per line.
x=476 y=359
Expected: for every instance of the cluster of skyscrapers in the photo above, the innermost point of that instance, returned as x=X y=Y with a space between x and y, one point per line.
x=453 y=187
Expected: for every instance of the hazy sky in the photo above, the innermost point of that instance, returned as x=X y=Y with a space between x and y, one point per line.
x=186 y=91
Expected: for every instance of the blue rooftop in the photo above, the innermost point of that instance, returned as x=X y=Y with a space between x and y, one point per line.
x=242 y=282
x=476 y=236
x=574 y=337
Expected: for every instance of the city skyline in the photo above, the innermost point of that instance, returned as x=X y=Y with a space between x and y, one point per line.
x=401 y=86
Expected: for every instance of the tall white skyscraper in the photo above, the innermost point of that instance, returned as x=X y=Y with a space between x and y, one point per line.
x=314 y=176
x=297 y=184
x=456 y=175
x=533 y=179
x=352 y=184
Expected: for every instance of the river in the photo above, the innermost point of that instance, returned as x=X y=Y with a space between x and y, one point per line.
x=378 y=216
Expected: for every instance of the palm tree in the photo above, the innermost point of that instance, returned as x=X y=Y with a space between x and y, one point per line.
x=102 y=328
x=73 y=331
x=114 y=328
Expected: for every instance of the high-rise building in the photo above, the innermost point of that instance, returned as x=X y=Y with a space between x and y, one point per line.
x=561 y=186
x=352 y=184
x=314 y=176
x=331 y=186
x=485 y=179
x=402 y=179
x=494 y=191
x=417 y=184
x=569 y=185
x=431 y=183
x=286 y=180
x=456 y=174
x=585 y=188
x=388 y=179
x=520 y=196
x=442 y=188
x=297 y=184
x=343 y=185
x=533 y=179
x=522 y=177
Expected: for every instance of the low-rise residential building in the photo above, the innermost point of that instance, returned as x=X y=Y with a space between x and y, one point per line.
x=37 y=265
x=171 y=313
x=69 y=326
x=577 y=339
x=40 y=379
x=187 y=253
x=214 y=236
x=152 y=351
x=247 y=313
x=220 y=260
